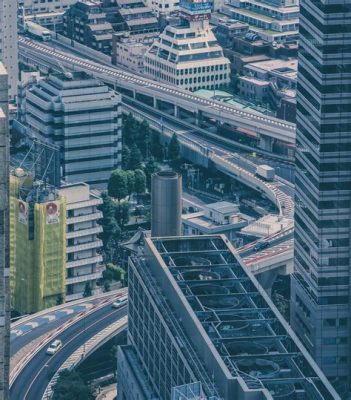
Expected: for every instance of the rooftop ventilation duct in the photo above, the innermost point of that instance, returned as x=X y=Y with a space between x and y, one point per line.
x=166 y=204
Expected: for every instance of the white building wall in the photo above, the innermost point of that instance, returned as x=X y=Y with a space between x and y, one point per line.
x=44 y=6
x=78 y=197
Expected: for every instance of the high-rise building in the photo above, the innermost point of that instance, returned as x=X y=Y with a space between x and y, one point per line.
x=188 y=55
x=83 y=117
x=320 y=293
x=196 y=314
x=4 y=239
x=9 y=43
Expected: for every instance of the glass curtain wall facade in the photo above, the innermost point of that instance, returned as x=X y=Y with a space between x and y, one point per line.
x=321 y=285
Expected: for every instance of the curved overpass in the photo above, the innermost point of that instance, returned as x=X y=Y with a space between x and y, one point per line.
x=32 y=373
x=228 y=162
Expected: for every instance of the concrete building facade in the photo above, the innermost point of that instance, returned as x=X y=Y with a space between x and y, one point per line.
x=4 y=239
x=320 y=289
x=188 y=55
x=83 y=117
x=129 y=53
x=9 y=43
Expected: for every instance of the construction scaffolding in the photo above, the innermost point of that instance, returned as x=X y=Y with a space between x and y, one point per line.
x=38 y=245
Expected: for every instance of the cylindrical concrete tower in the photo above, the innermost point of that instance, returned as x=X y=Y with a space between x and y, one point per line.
x=166 y=204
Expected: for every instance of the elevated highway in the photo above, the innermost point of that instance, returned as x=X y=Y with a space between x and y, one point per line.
x=31 y=373
x=171 y=110
x=204 y=151
x=159 y=95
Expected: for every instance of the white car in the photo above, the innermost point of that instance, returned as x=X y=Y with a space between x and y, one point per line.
x=120 y=302
x=54 y=347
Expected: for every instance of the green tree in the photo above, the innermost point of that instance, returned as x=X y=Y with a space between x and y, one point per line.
x=130 y=129
x=118 y=272
x=140 y=181
x=125 y=156
x=108 y=221
x=151 y=167
x=130 y=181
x=145 y=133
x=59 y=299
x=118 y=184
x=135 y=161
x=87 y=290
x=71 y=386
x=173 y=148
x=107 y=275
x=107 y=286
x=122 y=213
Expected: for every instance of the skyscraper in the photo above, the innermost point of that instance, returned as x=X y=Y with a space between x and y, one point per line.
x=4 y=238
x=9 y=43
x=321 y=283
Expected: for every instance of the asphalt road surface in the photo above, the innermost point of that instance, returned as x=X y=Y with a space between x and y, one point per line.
x=34 y=378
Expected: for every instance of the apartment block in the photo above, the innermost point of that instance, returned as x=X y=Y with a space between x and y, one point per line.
x=83 y=247
x=86 y=23
x=272 y=20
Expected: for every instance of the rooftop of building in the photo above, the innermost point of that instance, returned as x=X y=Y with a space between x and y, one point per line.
x=252 y=79
x=228 y=315
x=264 y=5
x=199 y=220
x=228 y=98
x=283 y=67
x=79 y=191
x=223 y=207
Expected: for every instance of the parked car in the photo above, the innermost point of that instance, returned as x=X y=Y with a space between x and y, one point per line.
x=54 y=347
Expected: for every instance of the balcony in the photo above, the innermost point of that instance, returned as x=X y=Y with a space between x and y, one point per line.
x=84 y=218
x=84 y=232
x=82 y=204
x=83 y=278
x=84 y=261
x=84 y=246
